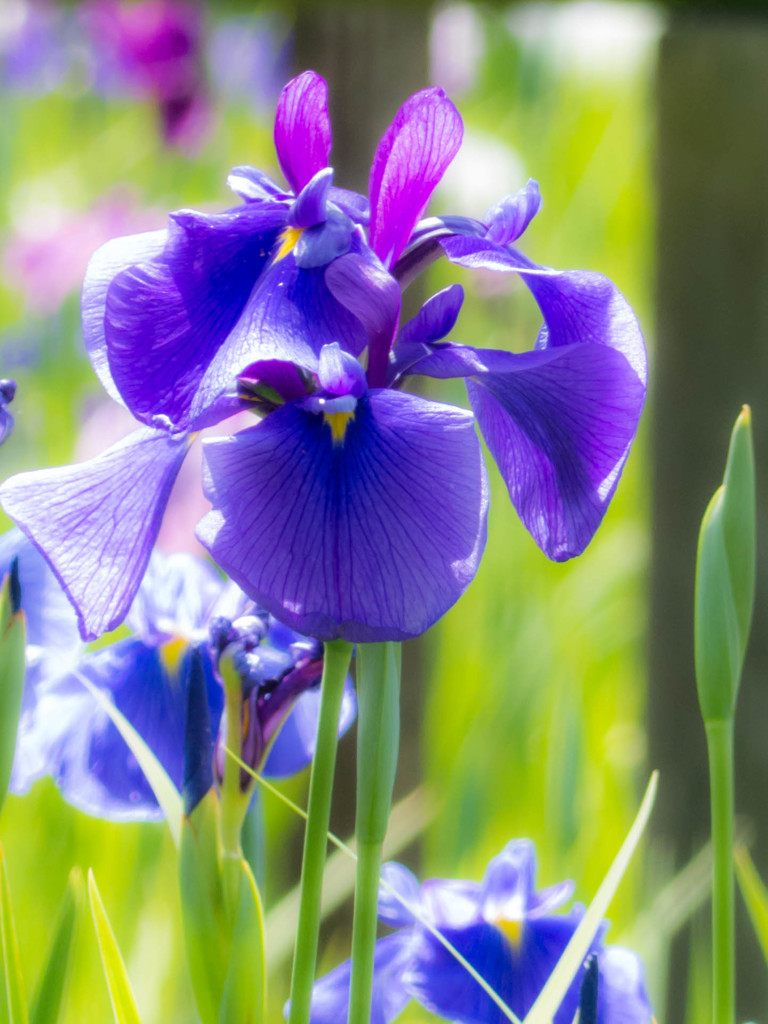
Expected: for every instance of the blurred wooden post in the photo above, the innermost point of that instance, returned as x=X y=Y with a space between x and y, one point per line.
x=712 y=356
x=373 y=55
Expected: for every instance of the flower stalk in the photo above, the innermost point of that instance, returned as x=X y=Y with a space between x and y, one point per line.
x=725 y=592
x=338 y=654
x=720 y=750
x=378 y=740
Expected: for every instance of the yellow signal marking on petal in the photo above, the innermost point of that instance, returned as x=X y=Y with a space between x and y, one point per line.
x=338 y=422
x=171 y=654
x=513 y=931
x=288 y=240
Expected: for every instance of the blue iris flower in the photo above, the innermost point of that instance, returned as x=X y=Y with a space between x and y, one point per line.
x=182 y=601
x=352 y=509
x=509 y=932
x=7 y=394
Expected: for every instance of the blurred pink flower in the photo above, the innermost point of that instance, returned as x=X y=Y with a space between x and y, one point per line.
x=46 y=259
x=154 y=48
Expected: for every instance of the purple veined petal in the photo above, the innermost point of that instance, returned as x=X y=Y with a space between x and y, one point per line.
x=340 y=373
x=330 y=995
x=290 y=315
x=107 y=262
x=253 y=185
x=366 y=289
x=167 y=318
x=509 y=218
x=303 y=129
x=369 y=537
x=516 y=973
x=400 y=882
x=559 y=422
x=410 y=161
x=578 y=305
x=295 y=743
x=622 y=995
x=311 y=203
x=509 y=882
x=96 y=522
x=560 y=435
x=436 y=318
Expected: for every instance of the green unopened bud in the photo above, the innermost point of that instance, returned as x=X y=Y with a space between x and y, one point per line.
x=725 y=579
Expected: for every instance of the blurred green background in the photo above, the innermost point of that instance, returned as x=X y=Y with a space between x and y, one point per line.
x=526 y=707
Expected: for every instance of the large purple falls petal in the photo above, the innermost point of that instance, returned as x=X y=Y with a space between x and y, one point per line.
x=559 y=422
x=372 y=538
x=167 y=318
x=96 y=522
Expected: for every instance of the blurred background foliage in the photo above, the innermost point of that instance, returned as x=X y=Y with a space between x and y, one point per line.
x=526 y=705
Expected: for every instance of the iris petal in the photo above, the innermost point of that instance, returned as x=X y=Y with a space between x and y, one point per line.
x=330 y=995
x=167 y=318
x=106 y=263
x=303 y=129
x=410 y=160
x=516 y=974
x=294 y=745
x=400 y=882
x=373 y=538
x=96 y=522
x=290 y=315
x=559 y=422
x=622 y=996
x=578 y=305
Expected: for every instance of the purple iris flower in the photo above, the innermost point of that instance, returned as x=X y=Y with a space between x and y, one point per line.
x=504 y=928
x=352 y=509
x=65 y=733
x=7 y=395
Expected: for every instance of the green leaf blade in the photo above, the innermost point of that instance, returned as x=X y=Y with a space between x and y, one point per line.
x=755 y=895
x=245 y=990
x=120 y=993
x=16 y=1004
x=51 y=987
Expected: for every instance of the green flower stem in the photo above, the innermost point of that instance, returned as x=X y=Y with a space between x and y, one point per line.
x=338 y=654
x=378 y=739
x=234 y=803
x=720 y=748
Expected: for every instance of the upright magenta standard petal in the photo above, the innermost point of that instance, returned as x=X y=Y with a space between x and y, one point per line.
x=96 y=522
x=410 y=161
x=303 y=129
x=167 y=318
x=368 y=529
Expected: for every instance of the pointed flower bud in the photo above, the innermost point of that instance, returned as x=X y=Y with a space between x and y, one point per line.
x=725 y=579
